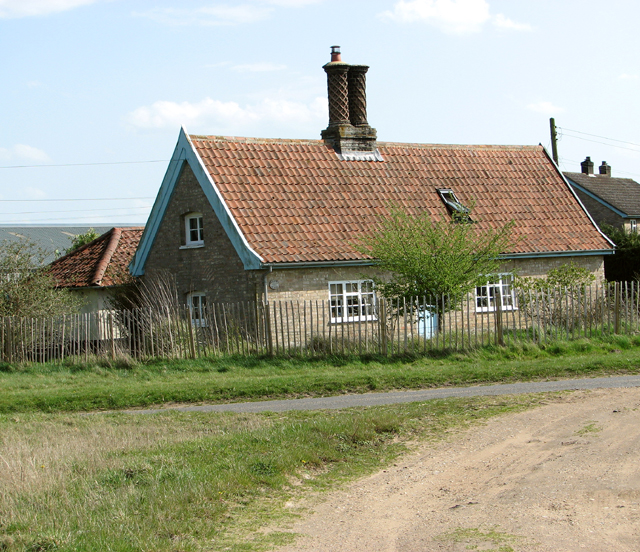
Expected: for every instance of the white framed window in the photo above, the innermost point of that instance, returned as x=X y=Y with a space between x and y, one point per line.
x=194 y=232
x=500 y=285
x=197 y=302
x=633 y=226
x=352 y=301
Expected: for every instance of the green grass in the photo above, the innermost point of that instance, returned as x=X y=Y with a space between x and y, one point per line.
x=125 y=384
x=192 y=481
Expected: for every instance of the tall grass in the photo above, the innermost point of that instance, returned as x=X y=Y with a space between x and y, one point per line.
x=183 y=482
x=109 y=385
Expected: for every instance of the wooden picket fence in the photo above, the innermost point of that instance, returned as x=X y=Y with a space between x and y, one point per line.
x=315 y=328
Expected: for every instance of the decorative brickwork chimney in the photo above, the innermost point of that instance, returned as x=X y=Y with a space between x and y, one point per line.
x=605 y=169
x=587 y=166
x=348 y=133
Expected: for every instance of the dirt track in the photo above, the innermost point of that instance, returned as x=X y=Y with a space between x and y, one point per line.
x=562 y=477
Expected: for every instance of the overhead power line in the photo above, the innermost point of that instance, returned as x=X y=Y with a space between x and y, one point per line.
x=84 y=164
x=598 y=136
x=78 y=199
x=598 y=142
x=76 y=211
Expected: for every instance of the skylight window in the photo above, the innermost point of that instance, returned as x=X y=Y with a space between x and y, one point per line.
x=455 y=207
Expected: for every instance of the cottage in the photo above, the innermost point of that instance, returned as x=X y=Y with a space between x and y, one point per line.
x=609 y=200
x=97 y=269
x=242 y=219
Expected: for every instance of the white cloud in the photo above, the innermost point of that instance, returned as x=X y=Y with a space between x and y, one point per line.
x=35 y=193
x=27 y=8
x=547 y=108
x=452 y=16
x=626 y=76
x=215 y=114
x=258 y=67
x=22 y=152
x=292 y=3
x=503 y=22
x=208 y=16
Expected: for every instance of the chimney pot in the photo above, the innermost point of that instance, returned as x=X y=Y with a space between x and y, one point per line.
x=335 y=54
x=587 y=166
x=605 y=169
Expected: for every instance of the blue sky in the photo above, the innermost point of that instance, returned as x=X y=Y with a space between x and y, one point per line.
x=99 y=88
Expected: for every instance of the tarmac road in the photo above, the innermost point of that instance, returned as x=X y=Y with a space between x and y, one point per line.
x=396 y=397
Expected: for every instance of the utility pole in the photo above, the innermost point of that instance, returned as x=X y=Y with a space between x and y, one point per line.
x=554 y=140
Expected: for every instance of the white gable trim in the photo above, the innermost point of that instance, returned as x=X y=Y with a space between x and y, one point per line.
x=186 y=152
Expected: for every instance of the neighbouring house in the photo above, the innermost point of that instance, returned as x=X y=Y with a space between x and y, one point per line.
x=609 y=200
x=53 y=240
x=98 y=269
x=243 y=219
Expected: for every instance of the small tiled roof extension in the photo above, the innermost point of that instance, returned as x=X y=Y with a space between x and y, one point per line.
x=102 y=263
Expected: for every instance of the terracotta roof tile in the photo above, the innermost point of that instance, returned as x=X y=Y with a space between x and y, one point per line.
x=295 y=200
x=103 y=262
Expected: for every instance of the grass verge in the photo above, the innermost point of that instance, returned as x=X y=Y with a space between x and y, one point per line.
x=126 y=384
x=182 y=482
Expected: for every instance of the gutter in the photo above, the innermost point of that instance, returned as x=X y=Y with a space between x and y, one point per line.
x=558 y=254
x=317 y=264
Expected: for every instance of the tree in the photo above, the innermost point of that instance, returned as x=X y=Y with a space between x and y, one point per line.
x=624 y=265
x=26 y=289
x=82 y=239
x=441 y=260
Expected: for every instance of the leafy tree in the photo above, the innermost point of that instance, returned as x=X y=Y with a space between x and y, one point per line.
x=560 y=298
x=82 y=239
x=441 y=260
x=26 y=289
x=624 y=265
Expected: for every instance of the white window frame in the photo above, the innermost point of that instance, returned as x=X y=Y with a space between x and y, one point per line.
x=485 y=293
x=348 y=300
x=633 y=226
x=198 y=318
x=199 y=229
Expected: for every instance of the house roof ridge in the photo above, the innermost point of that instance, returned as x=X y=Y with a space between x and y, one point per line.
x=104 y=261
x=310 y=141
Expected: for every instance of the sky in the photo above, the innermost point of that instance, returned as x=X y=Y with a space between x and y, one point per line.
x=93 y=92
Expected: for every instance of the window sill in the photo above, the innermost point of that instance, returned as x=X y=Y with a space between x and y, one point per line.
x=493 y=309
x=192 y=246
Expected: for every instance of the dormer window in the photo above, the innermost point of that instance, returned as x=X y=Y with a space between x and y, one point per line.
x=194 y=229
x=455 y=207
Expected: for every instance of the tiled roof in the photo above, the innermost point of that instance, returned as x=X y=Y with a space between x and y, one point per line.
x=295 y=201
x=53 y=240
x=103 y=262
x=621 y=193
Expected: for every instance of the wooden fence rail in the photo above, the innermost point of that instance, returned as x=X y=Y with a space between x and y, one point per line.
x=320 y=327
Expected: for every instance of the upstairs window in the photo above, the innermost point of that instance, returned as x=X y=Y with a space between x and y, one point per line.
x=455 y=207
x=487 y=295
x=633 y=226
x=194 y=229
x=352 y=301
x=197 y=302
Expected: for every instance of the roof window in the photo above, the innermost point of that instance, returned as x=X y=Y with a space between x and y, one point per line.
x=455 y=207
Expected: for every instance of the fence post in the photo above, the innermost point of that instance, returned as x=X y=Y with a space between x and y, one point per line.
x=113 y=342
x=498 y=317
x=383 y=325
x=192 y=344
x=616 y=312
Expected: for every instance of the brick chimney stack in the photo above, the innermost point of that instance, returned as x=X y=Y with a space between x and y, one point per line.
x=587 y=166
x=605 y=169
x=348 y=132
